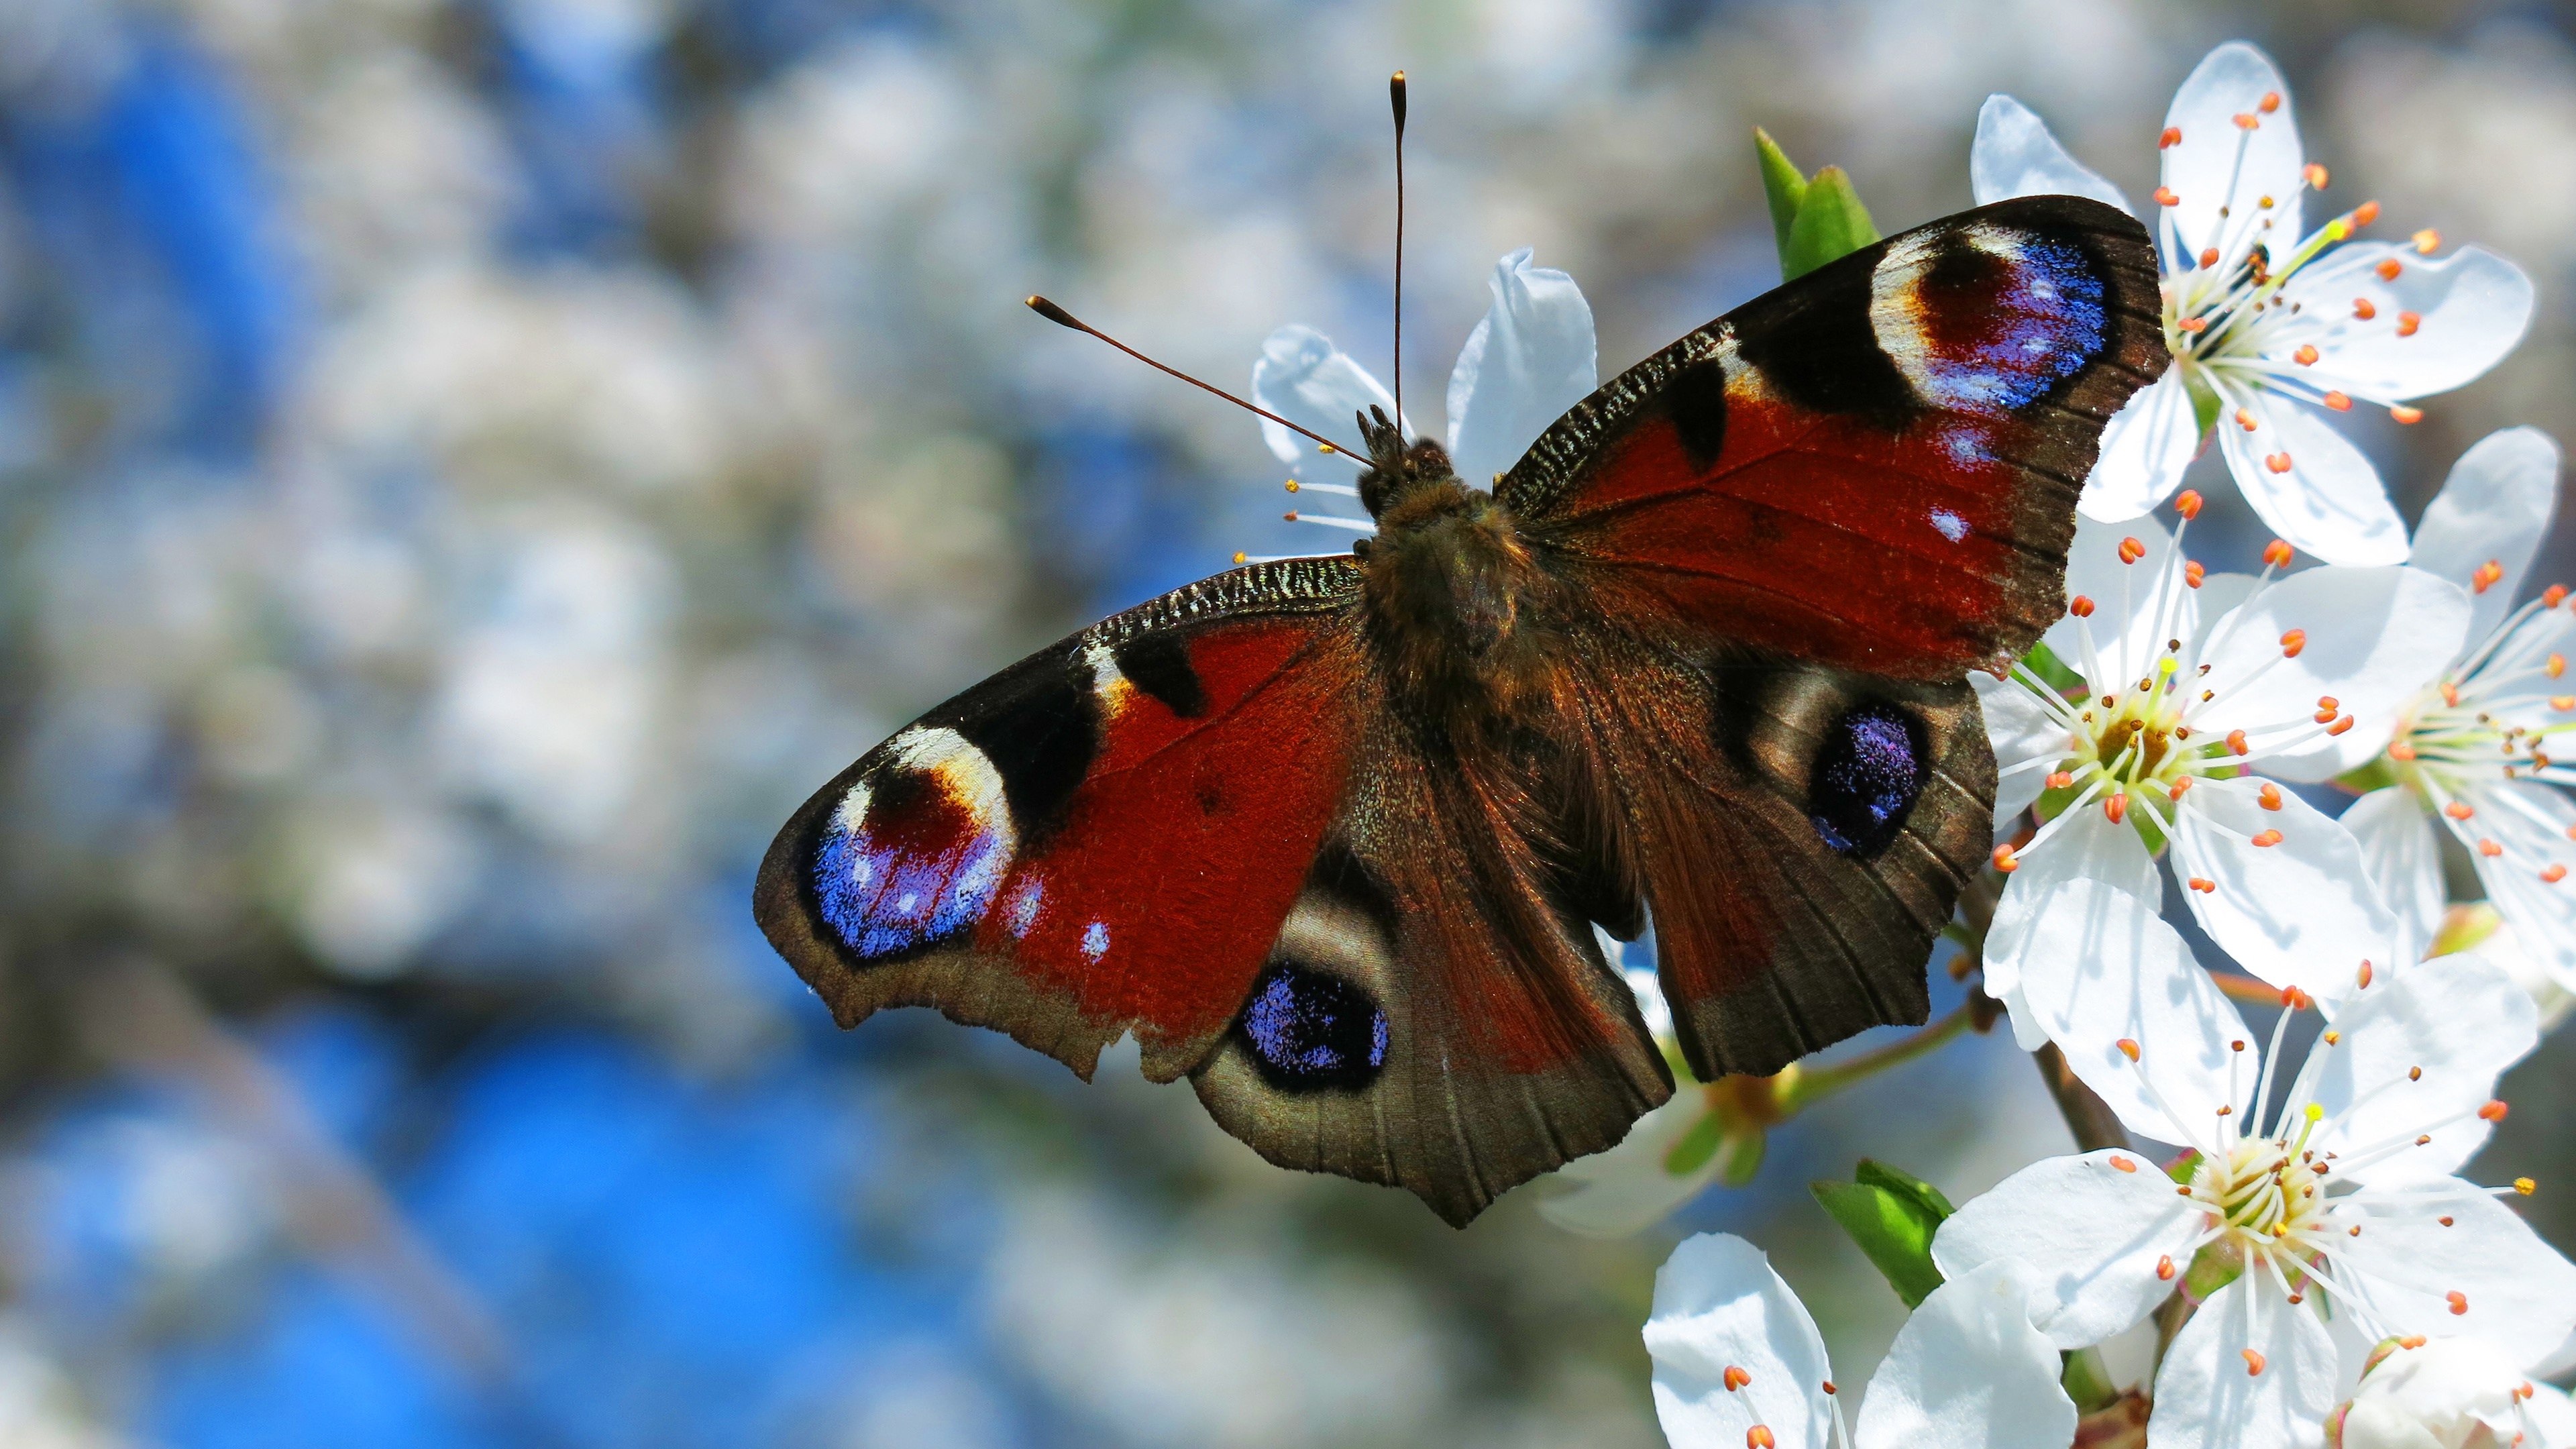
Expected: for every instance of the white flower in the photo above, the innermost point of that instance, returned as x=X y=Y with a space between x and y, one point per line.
x=2297 y=677
x=1738 y=1362
x=2341 y=1203
x=1530 y=358
x=2453 y=1393
x=2472 y=749
x=2265 y=323
x=1632 y=1187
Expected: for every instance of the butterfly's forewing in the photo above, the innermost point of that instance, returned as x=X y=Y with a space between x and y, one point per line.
x=1809 y=519
x=1103 y=838
x=1874 y=467
x=1433 y=1016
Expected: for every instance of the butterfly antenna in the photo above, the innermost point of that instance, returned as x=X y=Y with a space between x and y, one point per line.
x=1063 y=318
x=1395 y=98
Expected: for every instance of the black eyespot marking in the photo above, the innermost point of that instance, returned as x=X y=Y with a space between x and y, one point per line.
x=1312 y=1032
x=1697 y=397
x=1041 y=740
x=1160 y=665
x=1816 y=347
x=1866 y=778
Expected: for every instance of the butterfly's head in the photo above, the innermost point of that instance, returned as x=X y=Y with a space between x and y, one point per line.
x=1397 y=468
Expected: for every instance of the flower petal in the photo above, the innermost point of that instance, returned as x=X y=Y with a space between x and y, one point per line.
x=2088 y=847
x=2471 y=307
x=2219 y=166
x=1304 y=378
x=2375 y=637
x=2145 y=448
x=1718 y=1305
x=1531 y=358
x=2328 y=501
x=2021 y=732
x=2404 y=859
x=1968 y=1368
x=1626 y=1189
x=2516 y=1289
x=2459 y=1020
x=2206 y=1399
x=2494 y=509
x=2103 y=969
x=2137 y=606
x=2090 y=1235
x=2299 y=912
x=2015 y=155
x=2531 y=824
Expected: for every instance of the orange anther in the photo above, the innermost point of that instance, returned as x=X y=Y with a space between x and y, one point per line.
x=2193 y=573
x=2269 y=797
x=2081 y=607
x=2245 y=419
x=2128 y=1048
x=2187 y=503
x=2388 y=270
x=2165 y=197
x=2485 y=576
x=2293 y=999
x=2253 y=1362
x=2458 y=1300
x=2339 y=726
x=2451 y=694
x=2131 y=550
x=2247 y=120
x=2293 y=642
x=2493 y=1112
x=2362 y=309
x=2360 y=978
x=2552 y=597
x=2306 y=356
x=2208 y=257
x=2193 y=324
x=2556 y=664
x=2277 y=554
x=2122 y=1163
x=2553 y=872
x=2060 y=780
x=2165 y=1267
x=1759 y=1437
x=2004 y=860
x=2203 y=884
x=2277 y=462
x=2400 y=750
x=2426 y=240
x=2458 y=810
x=2181 y=785
x=2490 y=849
x=2116 y=809
x=2171 y=138
x=2411 y=1341
x=2405 y=414
x=2267 y=839
x=1828 y=1386
x=2271 y=102
x=2236 y=744
x=1736 y=1378
x=2339 y=401
x=2562 y=702
x=2315 y=176
x=2407 y=322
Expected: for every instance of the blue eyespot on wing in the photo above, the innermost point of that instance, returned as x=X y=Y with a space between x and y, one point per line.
x=1867 y=776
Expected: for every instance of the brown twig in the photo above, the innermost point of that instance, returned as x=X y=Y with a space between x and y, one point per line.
x=2090 y=1118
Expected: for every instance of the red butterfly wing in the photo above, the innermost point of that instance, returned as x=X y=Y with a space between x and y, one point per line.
x=1103 y=838
x=1804 y=522
x=1874 y=467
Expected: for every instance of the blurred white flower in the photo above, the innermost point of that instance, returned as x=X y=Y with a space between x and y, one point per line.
x=1531 y=357
x=2471 y=750
x=2342 y=1201
x=39 y=1406
x=1738 y=1362
x=2262 y=319
x=2452 y=1393
x=2297 y=677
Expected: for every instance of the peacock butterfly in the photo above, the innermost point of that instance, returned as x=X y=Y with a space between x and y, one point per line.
x=1329 y=835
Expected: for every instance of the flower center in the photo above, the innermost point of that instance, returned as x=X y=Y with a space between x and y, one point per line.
x=2267 y=1204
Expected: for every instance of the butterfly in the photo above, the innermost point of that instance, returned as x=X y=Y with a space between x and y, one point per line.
x=1330 y=836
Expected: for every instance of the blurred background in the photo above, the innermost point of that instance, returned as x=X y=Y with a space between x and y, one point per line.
x=468 y=468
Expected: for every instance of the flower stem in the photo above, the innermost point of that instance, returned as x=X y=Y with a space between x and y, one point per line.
x=2090 y=1118
x=1816 y=1082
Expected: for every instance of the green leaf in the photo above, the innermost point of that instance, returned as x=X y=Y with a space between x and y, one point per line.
x=1892 y=1216
x=1696 y=1147
x=1782 y=185
x=1831 y=223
